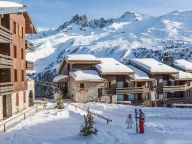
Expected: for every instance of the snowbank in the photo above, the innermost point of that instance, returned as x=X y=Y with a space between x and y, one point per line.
x=52 y=126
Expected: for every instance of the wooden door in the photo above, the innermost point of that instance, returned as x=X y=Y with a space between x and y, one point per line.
x=100 y=92
x=4 y=106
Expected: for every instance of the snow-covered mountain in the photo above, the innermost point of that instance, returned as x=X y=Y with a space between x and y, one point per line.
x=130 y=35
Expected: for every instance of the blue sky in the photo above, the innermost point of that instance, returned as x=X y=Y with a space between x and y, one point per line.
x=52 y=13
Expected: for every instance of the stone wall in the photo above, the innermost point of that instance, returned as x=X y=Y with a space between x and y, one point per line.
x=22 y=105
x=89 y=92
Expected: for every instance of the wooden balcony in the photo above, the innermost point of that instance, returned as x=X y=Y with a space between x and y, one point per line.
x=6 y=88
x=6 y=61
x=110 y=91
x=29 y=65
x=5 y=35
x=135 y=90
x=177 y=100
x=29 y=46
x=175 y=88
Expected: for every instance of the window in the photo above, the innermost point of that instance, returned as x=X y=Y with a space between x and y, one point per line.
x=15 y=52
x=15 y=75
x=14 y=27
x=82 y=85
x=22 y=53
x=17 y=99
x=131 y=97
x=22 y=75
x=24 y=97
x=120 y=97
x=22 y=32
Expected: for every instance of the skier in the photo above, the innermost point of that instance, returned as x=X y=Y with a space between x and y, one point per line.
x=129 y=121
x=141 y=121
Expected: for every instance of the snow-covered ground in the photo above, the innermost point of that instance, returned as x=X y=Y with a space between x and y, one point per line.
x=163 y=126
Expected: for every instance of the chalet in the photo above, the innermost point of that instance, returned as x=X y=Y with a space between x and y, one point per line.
x=141 y=87
x=116 y=74
x=172 y=85
x=15 y=89
x=77 y=71
x=83 y=78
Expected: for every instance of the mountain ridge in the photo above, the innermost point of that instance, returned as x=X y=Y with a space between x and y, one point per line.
x=129 y=36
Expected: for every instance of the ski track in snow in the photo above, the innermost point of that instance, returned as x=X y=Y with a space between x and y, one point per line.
x=162 y=126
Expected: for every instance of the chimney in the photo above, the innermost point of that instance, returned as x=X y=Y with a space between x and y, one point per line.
x=168 y=60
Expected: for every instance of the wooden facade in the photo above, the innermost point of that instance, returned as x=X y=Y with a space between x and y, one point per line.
x=161 y=89
x=13 y=48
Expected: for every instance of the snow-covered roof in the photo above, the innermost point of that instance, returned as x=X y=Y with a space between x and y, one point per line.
x=152 y=66
x=183 y=75
x=6 y=4
x=7 y=7
x=86 y=75
x=60 y=78
x=138 y=74
x=112 y=66
x=81 y=57
x=183 y=64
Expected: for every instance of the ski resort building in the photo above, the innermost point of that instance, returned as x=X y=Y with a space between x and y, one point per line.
x=15 y=89
x=172 y=85
x=85 y=78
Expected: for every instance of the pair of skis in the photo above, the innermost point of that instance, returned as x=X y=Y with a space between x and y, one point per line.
x=136 y=119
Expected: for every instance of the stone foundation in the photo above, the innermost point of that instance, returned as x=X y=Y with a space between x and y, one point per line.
x=11 y=107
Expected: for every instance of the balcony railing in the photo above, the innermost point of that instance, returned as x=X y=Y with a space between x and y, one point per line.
x=5 y=35
x=175 y=88
x=29 y=65
x=110 y=91
x=6 y=61
x=134 y=90
x=177 y=100
x=29 y=46
x=6 y=88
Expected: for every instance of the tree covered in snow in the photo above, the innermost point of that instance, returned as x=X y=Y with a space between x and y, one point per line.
x=88 y=127
x=59 y=102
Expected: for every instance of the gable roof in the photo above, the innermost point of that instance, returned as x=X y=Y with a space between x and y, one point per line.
x=78 y=59
x=182 y=76
x=8 y=7
x=110 y=66
x=151 y=66
x=86 y=76
x=183 y=64
x=138 y=74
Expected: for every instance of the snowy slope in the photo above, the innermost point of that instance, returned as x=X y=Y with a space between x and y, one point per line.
x=129 y=36
x=51 y=126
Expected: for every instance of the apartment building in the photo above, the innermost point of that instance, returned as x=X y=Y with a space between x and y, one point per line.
x=15 y=89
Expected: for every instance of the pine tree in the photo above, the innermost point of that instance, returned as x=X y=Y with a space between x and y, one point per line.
x=88 y=128
x=59 y=102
